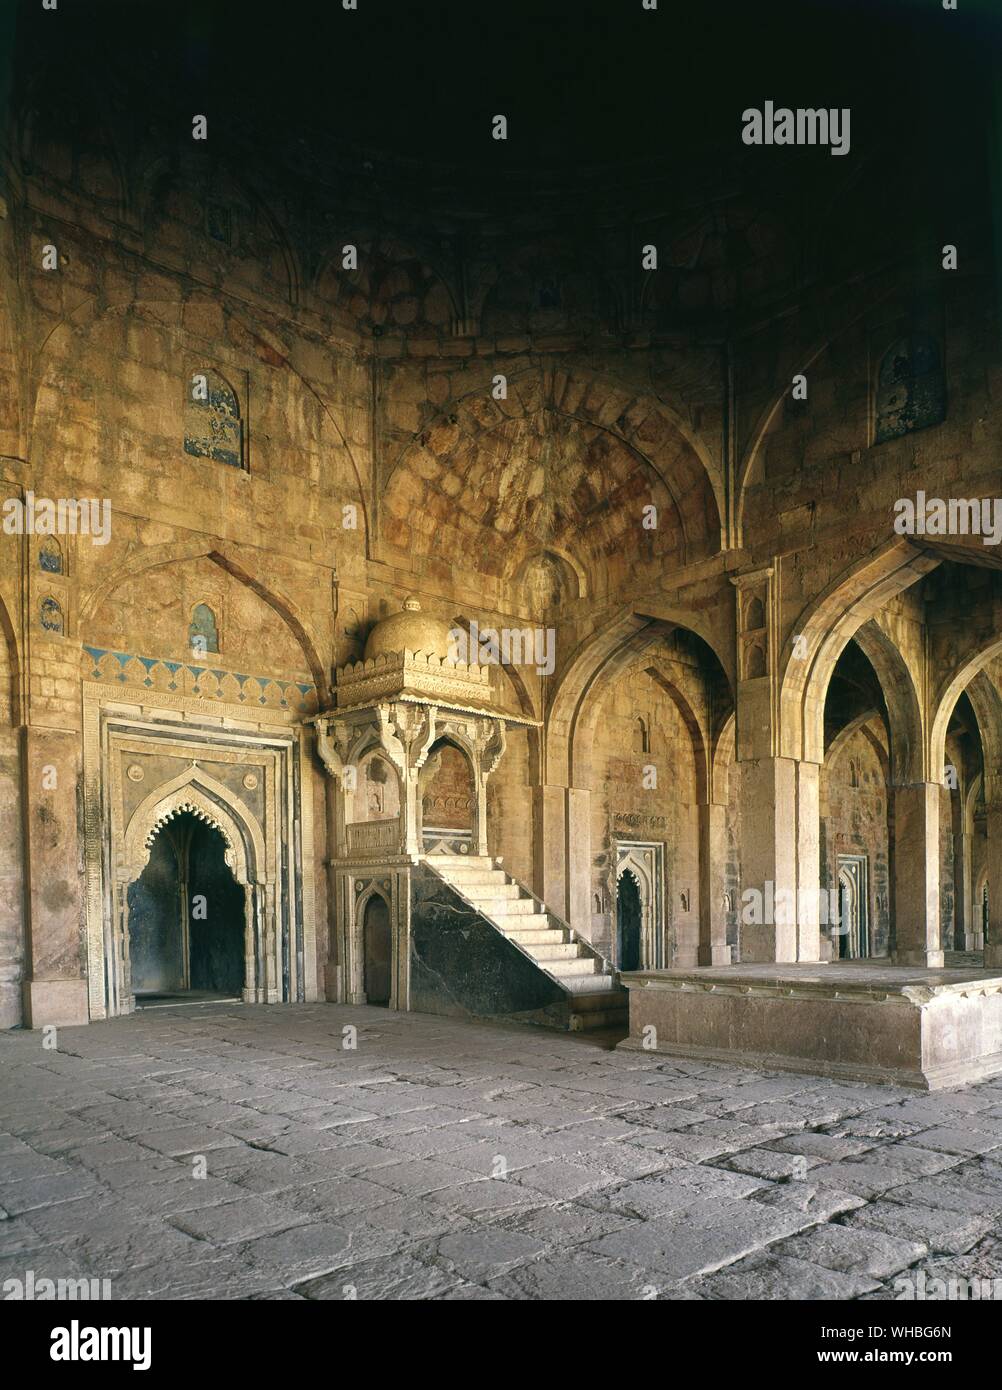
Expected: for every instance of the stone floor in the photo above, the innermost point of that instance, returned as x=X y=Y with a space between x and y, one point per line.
x=446 y=1160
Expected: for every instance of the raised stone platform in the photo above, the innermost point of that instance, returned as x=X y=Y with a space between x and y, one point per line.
x=857 y=1020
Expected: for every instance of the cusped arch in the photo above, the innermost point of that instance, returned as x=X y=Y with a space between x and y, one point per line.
x=199 y=793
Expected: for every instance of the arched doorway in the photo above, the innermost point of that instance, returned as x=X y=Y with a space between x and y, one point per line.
x=186 y=917
x=448 y=801
x=377 y=952
x=853 y=918
x=629 y=918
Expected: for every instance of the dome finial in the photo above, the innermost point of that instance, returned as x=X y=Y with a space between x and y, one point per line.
x=411 y=604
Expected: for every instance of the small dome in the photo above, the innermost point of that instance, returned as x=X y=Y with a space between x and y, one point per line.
x=411 y=631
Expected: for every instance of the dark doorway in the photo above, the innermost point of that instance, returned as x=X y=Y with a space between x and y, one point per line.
x=628 y=917
x=156 y=947
x=186 y=916
x=377 y=946
x=216 y=915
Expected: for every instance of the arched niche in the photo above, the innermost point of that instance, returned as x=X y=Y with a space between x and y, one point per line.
x=197 y=794
x=448 y=801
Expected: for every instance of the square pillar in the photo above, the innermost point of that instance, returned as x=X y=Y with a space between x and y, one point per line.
x=562 y=853
x=713 y=947
x=579 y=860
x=780 y=859
x=916 y=875
x=55 y=990
x=993 y=943
x=550 y=837
x=963 y=890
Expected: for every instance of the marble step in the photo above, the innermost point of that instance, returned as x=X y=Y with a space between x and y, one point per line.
x=565 y=970
x=586 y=984
x=505 y=907
x=486 y=892
x=537 y=936
x=546 y=951
x=527 y=921
x=480 y=880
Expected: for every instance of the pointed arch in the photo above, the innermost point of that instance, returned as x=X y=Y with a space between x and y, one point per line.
x=198 y=792
x=697 y=734
x=721 y=761
x=156 y=557
x=585 y=668
x=600 y=659
x=819 y=636
x=987 y=708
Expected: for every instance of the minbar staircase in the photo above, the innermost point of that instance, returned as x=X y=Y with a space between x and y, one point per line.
x=596 y=999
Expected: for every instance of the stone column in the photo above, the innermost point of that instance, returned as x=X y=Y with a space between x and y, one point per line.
x=713 y=947
x=406 y=734
x=562 y=853
x=780 y=859
x=55 y=991
x=579 y=860
x=993 y=945
x=490 y=744
x=916 y=875
x=549 y=847
x=12 y=941
x=963 y=889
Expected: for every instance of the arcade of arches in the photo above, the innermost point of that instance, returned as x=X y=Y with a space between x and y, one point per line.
x=708 y=677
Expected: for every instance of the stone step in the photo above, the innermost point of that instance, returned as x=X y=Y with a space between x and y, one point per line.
x=506 y=907
x=537 y=936
x=566 y=970
x=487 y=859
x=586 y=984
x=526 y=921
x=546 y=951
x=598 y=1001
x=485 y=897
x=478 y=877
x=485 y=892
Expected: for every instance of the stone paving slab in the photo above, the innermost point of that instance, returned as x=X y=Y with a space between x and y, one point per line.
x=240 y=1152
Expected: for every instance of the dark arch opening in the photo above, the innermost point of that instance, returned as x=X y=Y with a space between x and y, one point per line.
x=628 y=919
x=186 y=917
x=377 y=952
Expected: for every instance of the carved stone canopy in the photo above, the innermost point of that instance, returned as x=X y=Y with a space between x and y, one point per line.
x=411 y=655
